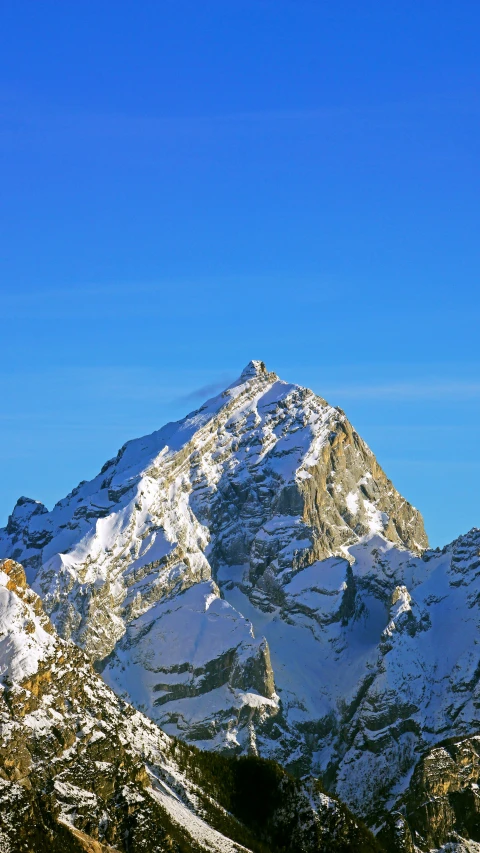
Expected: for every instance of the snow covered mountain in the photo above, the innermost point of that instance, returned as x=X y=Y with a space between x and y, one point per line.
x=82 y=771
x=249 y=578
x=260 y=482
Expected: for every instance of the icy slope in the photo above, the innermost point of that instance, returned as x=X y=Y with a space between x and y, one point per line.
x=82 y=771
x=261 y=481
x=374 y=661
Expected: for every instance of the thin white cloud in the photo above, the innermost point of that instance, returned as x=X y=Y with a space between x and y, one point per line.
x=205 y=391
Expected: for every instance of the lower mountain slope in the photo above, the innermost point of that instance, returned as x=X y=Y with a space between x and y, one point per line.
x=80 y=770
x=375 y=661
x=376 y=658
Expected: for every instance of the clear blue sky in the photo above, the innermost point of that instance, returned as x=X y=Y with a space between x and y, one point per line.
x=189 y=185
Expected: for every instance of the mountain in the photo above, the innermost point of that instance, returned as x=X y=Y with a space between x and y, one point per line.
x=250 y=579
x=260 y=482
x=82 y=771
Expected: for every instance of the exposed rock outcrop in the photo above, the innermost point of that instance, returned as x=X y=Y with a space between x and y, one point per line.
x=441 y=806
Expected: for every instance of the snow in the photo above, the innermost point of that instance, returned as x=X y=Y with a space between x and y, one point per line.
x=352 y=502
x=68 y=791
x=170 y=649
x=326 y=576
x=199 y=831
x=24 y=643
x=376 y=519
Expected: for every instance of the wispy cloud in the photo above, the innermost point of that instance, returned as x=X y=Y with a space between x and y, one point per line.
x=40 y=125
x=204 y=392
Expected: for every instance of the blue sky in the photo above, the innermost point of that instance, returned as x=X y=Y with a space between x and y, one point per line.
x=187 y=186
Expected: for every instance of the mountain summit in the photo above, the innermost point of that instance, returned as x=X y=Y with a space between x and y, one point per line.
x=253 y=368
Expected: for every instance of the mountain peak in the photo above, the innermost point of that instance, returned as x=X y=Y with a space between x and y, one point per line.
x=23 y=512
x=253 y=368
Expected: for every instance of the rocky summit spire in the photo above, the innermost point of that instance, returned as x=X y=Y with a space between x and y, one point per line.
x=253 y=368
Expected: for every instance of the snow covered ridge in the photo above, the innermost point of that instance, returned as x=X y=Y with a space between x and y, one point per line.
x=81 y=770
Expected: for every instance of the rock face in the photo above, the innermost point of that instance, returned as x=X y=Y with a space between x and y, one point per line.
x=82 y=771
x=261 y=482
x=441 y=806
